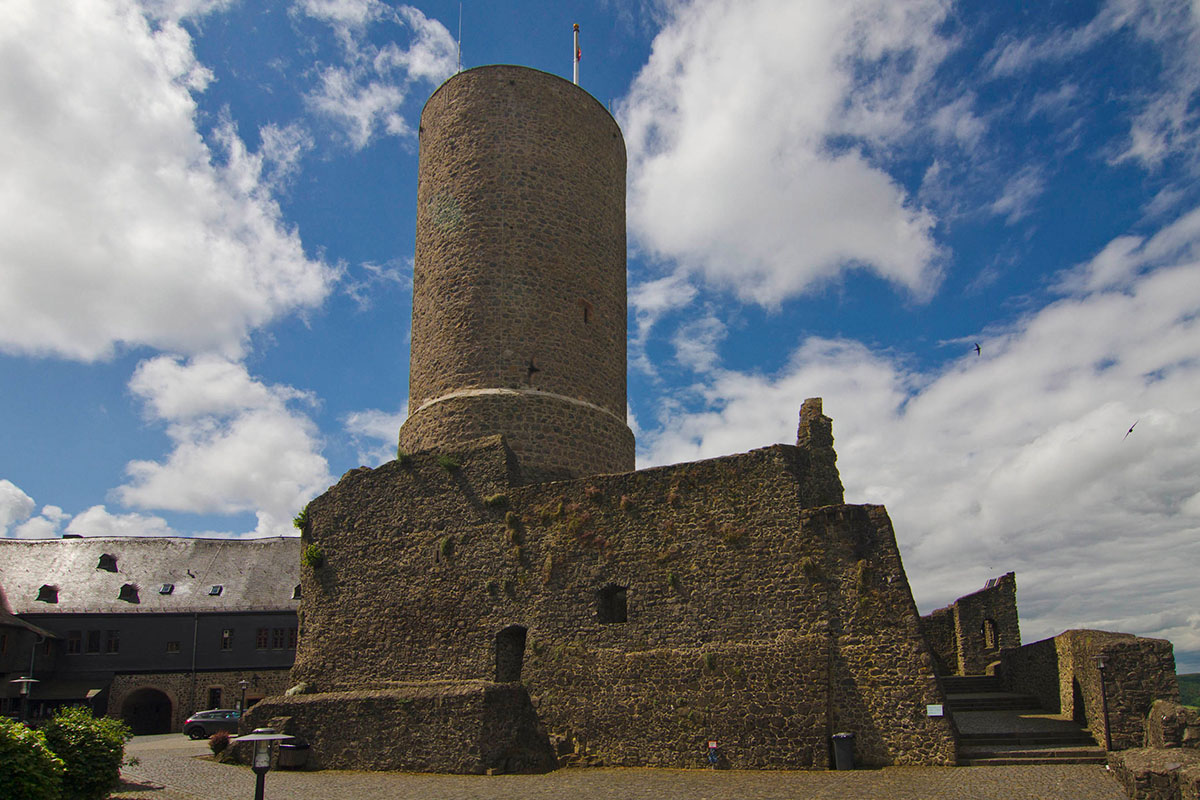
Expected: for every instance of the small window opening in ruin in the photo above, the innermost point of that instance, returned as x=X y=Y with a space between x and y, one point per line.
x=107 y=563
x=48 y=593
x=129 y=593
x=989 y=634
x=587 y=311
x=510 y=653
x=296 y=592
x=612 y=606
x=166 y=588
x=215 y=590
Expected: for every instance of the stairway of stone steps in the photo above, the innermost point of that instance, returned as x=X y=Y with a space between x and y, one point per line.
x=998 y=727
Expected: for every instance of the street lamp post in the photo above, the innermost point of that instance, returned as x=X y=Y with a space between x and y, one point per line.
x=261 y=762
x=26 y=687
x=1101 y=663
x=244 y=684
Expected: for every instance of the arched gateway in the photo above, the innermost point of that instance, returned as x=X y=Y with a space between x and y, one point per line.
x=147 y=710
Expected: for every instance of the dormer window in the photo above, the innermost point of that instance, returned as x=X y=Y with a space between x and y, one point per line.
x=129 y=593
x=215 y=590
x=166 y=588
x=296 y=592
x=48 y=593
x=108 y=563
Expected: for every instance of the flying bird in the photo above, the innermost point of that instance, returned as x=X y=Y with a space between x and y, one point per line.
x=1131 y=427
x=977 y=350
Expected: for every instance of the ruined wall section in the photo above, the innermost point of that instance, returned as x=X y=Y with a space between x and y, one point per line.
x=1033 y=669
x=882 y=673
x=968 y=635
x=459 y=727
x=940 y=633
x=520 y=263
x=1137 y=672
x=727 y=587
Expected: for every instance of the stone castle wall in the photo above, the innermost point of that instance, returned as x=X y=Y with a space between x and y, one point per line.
x=1137 y=672
x=968 y=635
x=760 y=612
x=520 y=261
x=465 y=727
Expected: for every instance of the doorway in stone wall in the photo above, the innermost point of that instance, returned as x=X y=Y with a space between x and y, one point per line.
x=510 y=653
x=147 y=711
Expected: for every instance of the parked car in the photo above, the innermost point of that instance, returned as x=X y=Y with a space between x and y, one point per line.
x=204 y=724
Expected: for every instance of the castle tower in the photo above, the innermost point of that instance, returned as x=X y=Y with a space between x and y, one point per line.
x=519 y=279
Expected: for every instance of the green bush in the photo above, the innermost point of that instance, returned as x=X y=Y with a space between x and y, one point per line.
x=312 y=556
x=28 y=768
x=447 y=463
x=300 y=521
x=92 y=750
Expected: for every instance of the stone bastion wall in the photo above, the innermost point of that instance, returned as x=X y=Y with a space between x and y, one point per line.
x=646 y=613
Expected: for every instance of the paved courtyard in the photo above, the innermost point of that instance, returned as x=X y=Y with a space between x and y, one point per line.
x=171 y=768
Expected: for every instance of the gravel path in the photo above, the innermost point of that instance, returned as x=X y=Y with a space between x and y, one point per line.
x=171 y=770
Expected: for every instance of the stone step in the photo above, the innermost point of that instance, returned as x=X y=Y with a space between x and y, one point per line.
x=996 y=701
x=967 y=684
x=1005 y=760
x=1062 y=739
x=1030 y=752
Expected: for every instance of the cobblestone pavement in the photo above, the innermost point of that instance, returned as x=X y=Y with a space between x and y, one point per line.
x=170 y=770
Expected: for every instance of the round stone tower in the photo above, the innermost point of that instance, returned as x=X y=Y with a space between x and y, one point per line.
x=519 y=280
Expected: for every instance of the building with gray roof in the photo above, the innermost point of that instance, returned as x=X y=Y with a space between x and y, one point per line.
x=149 y=629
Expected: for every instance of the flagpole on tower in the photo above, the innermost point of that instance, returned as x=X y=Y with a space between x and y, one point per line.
x=577 y=54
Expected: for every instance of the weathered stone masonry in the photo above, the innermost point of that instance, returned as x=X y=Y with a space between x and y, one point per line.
x=520 y=261
x=471 y=608
x=759 y=610
x=968 y=635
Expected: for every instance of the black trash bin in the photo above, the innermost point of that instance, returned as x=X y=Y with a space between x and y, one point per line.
x=843 y=750
x=293 y=754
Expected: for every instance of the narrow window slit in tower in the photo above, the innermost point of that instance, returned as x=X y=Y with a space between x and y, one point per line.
x=587 y=311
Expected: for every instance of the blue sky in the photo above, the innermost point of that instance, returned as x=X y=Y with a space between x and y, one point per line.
x=207 y=240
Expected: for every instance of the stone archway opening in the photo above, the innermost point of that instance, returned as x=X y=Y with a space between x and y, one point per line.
x=147 y=710
x=510 y=653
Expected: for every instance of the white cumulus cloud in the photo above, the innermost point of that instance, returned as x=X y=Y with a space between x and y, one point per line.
x=749 y=134
x=364 y=94
x=238 y=444
x=375 y=433
x=122 y=226
x=98 y=521
x=15 y=505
